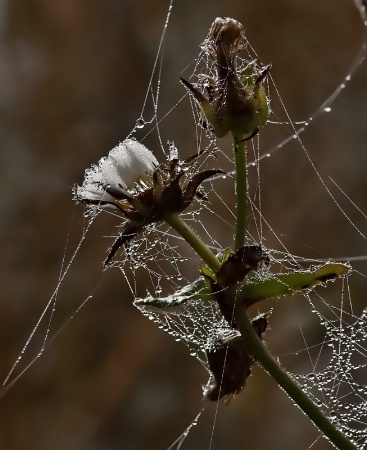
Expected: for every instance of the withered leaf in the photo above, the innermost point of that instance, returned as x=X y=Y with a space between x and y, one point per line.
x=230 y=363
x=239 y=264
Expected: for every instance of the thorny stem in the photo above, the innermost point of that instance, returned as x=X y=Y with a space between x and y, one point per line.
x=193 y=239
x=241 y=188
x=291 y=387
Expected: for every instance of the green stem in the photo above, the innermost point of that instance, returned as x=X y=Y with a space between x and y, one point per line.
x=254 y=343
x=193 y=239
x=241 y=188
x=261 y=353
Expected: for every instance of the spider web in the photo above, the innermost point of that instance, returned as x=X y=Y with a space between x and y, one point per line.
x=339 y=388
x=200 y=324
x=337 y=361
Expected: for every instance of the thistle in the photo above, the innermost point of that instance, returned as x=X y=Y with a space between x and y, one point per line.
x=131 y=181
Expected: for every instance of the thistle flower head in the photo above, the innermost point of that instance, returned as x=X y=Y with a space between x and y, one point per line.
x=128 y=166
x=131 y=180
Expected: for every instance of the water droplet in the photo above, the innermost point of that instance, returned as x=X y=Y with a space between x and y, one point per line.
x=327 y=109
x=140 y=123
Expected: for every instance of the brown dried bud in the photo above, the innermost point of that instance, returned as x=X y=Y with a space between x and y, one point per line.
x=228 y=37
x=235 y=100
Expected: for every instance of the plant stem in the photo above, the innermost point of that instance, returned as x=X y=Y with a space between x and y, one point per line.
x=255 y=345
x=241 y=188
x=291 y=387
x=193 y=239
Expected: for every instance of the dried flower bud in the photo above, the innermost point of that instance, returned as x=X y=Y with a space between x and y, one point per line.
x=235 y=101
x=227 y=37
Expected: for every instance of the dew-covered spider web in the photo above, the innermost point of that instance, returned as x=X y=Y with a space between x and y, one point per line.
x=322 y=332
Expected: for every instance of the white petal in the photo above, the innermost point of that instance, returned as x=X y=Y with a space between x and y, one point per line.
x=92 y=189
x=109 y=174
x=132 y=161
x=126 y=164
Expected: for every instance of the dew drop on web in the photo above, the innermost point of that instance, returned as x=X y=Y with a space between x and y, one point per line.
x=140 y=123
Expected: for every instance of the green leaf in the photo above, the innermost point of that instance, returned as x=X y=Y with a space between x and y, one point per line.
x=227 y=253
x=291 y=283
x=277 y=286
x=198 y=290
x=208 y=273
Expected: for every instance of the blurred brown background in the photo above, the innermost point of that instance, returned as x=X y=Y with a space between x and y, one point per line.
x=73 y=76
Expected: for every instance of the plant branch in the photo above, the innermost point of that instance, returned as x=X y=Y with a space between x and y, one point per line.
x=241 y=188
x=193 y=239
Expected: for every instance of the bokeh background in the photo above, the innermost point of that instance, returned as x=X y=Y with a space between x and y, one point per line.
x=73 y=77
